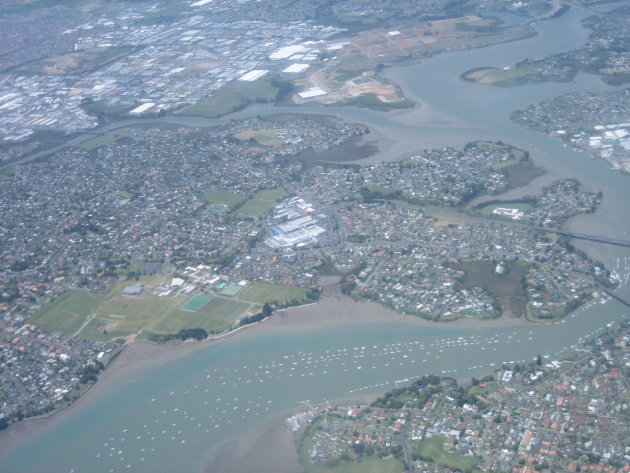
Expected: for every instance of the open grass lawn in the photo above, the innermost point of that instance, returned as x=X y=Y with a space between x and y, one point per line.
x=262 y=137
x=68 y=311
x=231 y=290
x=260 y=203
x=262 y=292
x=231 y=199
x=216 y=315
x=121 y=315
x=433 y=447
x=503 y=77
x=106 y=139
x=233 y=96
x=386 y=192
x=117 y=315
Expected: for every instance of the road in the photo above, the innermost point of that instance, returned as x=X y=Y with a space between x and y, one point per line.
x=88 y=319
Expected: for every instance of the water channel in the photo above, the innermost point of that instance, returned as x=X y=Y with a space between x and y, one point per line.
x=166 y=414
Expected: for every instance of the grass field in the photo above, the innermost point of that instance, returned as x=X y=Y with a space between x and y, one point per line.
x=262 y=292
x=260 y=203
x=384 y=192
x=262 y=137
x=106 y=139
x=233 y=96
x=433 y=447
x=196 y=303
x=231 y=199
x=502 y=77
x=231 y=290
x=216 y=315
x=121 y=315
x=118 y=316
x=68 y=311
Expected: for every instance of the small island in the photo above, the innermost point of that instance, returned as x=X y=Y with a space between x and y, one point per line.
x=602 y=54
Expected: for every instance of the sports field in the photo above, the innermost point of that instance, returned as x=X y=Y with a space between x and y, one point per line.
x=262 y=292
x=195 y=303
x=260 y=203
x=215 y=315
x=68 y=311
x=118 y=316
x=231 y=199
x=231 y=290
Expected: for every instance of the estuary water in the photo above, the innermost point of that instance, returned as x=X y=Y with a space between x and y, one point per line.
x=166 y=414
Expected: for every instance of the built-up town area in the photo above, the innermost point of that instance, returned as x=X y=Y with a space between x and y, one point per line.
x=143 y=233
x=67 y=70
x=597 y=123
x=153 y=67
x=605 y=52
x=569 y=415
x=235 y=218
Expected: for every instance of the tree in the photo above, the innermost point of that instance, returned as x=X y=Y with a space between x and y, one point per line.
x=196 y=333
x=267 y=310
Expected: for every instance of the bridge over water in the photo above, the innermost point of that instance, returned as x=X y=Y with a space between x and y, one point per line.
x=581 y=236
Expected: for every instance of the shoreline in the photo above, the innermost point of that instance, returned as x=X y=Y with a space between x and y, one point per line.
x=344 y=310
x=243 y=454
x=330 y=310
x=155 y=121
